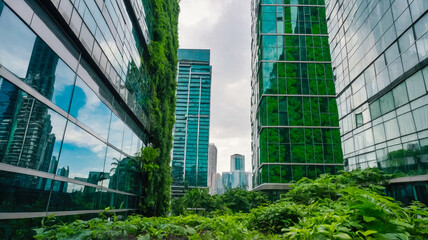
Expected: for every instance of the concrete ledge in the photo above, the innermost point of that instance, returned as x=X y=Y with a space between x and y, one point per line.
x=408 y=179
x=273 y=186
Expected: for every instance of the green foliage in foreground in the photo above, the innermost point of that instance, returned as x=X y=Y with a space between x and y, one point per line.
x=232 y=201
x=347 y=206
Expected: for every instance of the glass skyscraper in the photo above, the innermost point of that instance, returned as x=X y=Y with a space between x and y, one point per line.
x=295 y=128
x=237 y=162
x=192 y=120
x=72 y=113
x=380 y=55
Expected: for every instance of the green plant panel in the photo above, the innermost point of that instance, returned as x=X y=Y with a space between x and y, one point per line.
x=297 y=135
x=310 y=158
x=265 y=174
x=312 y=172
x=284 y=135
x=285 y=153
x=299 y=172
x=286 y=176
x=273 y=152
x=274 y=174
x=298 y=153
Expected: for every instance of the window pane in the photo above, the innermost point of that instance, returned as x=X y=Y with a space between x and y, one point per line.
x=32 y=132
x=421 y=118
x=16 y=43
x=379 y=133
x=406 y=124
x=391 y=129
x=70 y=196
x=17 y=189
x=400 y=94
x=82 y=155
x=386 y=103
x=415 y=85
x=115 y=135
x=375 y=110
x=89 y=109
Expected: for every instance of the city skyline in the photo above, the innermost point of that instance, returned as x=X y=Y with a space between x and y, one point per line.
x=224 y=27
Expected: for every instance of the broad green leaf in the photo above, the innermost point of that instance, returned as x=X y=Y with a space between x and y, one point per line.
x=369 y=232
x=368 y=219
x=341 y=236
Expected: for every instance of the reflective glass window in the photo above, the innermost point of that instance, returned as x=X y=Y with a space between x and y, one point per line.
x=391 y=129
x=70 y=196
x=410 y=58
x=386 y=103
x=379 y=133
x=23 y=193
x=127 y=140
x=63 y=86
x=415 y=85
x=403 y=22
x=422 y=45
x=425 y=73
x=406 y=40
x=82 y=155
x=89 y=109
x=400 y=94
x=32 y=133
x=406 y=123
x=359 y=119
x=420 y=116
x=115 y=135
x=112 y=168
x=16 y=43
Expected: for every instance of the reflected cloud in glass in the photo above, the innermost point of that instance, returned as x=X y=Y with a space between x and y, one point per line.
x=81 y=152
x=89 y=109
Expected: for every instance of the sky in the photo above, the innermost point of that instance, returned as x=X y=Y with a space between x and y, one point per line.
x=224 y=27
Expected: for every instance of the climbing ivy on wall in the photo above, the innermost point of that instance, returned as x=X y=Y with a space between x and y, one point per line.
x=162 y=68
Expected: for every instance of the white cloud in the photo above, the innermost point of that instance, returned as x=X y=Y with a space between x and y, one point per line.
x=224 y=27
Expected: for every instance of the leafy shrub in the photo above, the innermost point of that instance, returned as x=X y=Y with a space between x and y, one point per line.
x=347 y=206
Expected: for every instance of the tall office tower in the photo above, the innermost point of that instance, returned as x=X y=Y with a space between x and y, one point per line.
x=212 y=168
x=192 y=114
x=72 y=107
x=379 y=54
x=237 y=162
x=295 y=128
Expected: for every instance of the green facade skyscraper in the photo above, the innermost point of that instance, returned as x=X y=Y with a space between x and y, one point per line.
x=295 y=129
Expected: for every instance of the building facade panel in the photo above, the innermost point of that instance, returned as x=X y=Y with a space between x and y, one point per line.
x=294 y=115
x=379 y=55
x=66 y=128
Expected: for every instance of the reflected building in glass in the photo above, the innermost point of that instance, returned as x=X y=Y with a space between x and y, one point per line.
x=295 y=128
x=379 y=53
x=73 y=107
x=192 y=121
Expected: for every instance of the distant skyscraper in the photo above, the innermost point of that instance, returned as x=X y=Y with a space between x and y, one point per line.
x=295 y=127
x=191 y=131
x=237 y=177
x=380 y=54
x=212 y=168
x=237 y=162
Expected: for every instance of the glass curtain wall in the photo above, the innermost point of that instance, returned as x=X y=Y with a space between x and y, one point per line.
x=66 y=141
x=379 y=51
x=295 y=129
x=191 y=130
